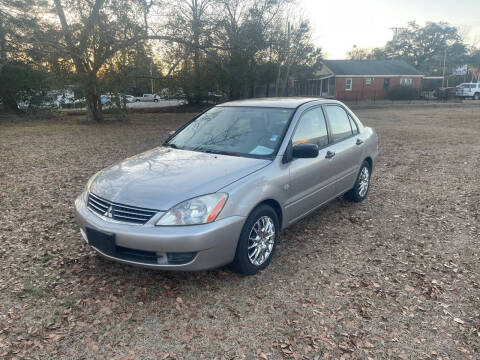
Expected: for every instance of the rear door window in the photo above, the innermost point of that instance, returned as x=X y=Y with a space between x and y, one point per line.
x=339 y=121
x=353 y=125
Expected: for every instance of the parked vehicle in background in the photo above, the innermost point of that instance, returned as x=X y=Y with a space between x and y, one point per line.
x=105 y=99
x=80 y=103
x=222 y=188
x=179 y=95
x=53 y=99
x=469 y=90
x=118 y=98
x=148 y=98
x=215 y=95
x=171 y=94
x=445 y=93
x=63 y=99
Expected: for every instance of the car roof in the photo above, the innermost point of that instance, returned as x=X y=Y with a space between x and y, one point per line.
x=287 y=102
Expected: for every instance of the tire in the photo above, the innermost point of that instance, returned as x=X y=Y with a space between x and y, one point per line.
x=137 y=100
x=155 y=100
x=358 y=193
x=476 y=96
x=245 y=261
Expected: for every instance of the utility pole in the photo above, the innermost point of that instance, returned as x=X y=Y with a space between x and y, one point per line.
x=397 y=31
x=444 y=62
x=151 y=76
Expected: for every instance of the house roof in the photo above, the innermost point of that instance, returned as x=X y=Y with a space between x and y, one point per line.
x=371 y=67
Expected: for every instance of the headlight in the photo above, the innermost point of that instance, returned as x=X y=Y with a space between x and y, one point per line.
x=87 y=187
x=90 y=181
x=200 y=210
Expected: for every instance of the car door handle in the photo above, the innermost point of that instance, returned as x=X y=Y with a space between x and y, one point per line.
x=359 y=142
x=330 y=154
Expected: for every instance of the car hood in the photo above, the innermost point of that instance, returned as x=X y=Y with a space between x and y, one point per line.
x=163 y=177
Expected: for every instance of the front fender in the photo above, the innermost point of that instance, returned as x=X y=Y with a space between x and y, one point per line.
x=269 y=183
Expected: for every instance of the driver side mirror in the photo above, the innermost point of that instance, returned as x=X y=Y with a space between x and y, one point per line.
x=304 y=151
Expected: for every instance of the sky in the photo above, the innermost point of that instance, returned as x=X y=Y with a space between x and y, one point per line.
x=338 y=25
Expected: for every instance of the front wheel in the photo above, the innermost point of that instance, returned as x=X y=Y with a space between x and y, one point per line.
x=257 y=241
x=360 y=190
x=476 y=96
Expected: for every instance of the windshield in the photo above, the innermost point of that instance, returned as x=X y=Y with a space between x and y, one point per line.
x=240 y=131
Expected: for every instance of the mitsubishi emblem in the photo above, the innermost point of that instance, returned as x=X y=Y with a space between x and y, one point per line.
x=108 y=213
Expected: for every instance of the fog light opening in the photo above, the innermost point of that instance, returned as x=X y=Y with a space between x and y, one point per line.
x=180 y=258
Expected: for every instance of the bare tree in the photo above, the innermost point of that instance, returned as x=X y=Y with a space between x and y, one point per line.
x=91 y=32
x=361 y=53
x=293 y=51
x=243 y=33
x=190 y=24
x=228 y=45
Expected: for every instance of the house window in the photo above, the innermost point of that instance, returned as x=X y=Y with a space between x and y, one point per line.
x=406 y=81
x=348 y=84
x=368 y=81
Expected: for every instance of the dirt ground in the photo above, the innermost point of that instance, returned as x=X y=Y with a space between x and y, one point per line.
x=397 y=276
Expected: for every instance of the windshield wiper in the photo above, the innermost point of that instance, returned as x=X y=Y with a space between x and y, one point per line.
x=173 y=146
x=210 y=151
x=218 y=152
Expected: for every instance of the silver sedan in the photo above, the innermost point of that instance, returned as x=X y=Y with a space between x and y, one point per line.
x=222 y=188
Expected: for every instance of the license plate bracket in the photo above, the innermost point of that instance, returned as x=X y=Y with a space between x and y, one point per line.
x=103 y=241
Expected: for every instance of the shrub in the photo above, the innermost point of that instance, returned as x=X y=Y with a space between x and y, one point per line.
x=22 y=86
x=403 y=93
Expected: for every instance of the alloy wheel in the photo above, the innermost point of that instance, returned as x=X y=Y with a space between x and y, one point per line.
x=364 y=181
x=261 y=240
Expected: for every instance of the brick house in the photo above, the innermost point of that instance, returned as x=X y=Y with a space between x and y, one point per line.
x=359 y=79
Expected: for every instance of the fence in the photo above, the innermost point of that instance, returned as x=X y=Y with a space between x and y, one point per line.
x=413 y=95
x=360 y=95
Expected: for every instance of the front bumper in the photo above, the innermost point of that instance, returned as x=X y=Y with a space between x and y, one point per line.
x=214 y=243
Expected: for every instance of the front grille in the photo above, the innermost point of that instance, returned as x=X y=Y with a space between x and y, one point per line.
x=119 y=212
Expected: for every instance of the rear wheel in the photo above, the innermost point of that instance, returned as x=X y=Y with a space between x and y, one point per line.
x=360 y=190
x=257 y=242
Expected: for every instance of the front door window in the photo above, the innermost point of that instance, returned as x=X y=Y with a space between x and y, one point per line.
x=311 y=180
x=311 y=129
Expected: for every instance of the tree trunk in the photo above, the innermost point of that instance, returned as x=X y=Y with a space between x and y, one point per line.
x=285 y=82
x=9 y=102
x=3 y=45
x=94 y=103
x=277 y=80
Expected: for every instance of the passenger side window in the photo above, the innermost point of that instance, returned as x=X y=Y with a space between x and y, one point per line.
x=339 y=121
x=311 y=129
